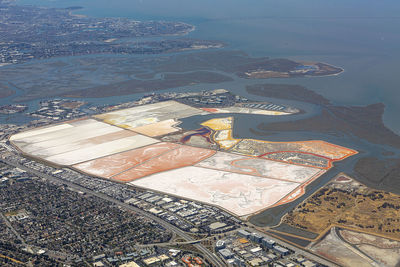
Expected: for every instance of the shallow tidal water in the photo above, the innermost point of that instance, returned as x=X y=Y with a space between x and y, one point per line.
x=361 y=36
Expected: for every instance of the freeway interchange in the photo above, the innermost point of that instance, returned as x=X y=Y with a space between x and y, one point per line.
x=189 y=239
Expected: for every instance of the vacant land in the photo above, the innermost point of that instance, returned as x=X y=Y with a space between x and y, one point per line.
x=238 y=193
x=335 y=249
x=120 y=147
x=222 y=129
x=177 y=158
x=197 y=138
x=158 y=128
x=259 y=167
x=350 y=248
x=384 y=251
x=78 y=141
x=140 y=116
x=111 y=165
x=351 y=204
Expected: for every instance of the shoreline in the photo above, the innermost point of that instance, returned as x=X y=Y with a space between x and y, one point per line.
x=363 y=124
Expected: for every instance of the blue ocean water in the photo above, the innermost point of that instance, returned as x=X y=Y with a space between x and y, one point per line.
x=362 y=36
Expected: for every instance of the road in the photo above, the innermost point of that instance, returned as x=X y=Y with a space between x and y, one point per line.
x=306 y=254
x=354 y=249
x=7 y=222
x=12 y=259
x=170 y=243
x=211 y=257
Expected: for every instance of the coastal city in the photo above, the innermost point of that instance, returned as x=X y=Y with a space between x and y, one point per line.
x=119 y=224
x=68 y=187
x=41 y=33
x=199 y=133
x=173 y=220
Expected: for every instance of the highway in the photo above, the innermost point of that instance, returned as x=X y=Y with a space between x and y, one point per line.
x=306 y=254
x=211 y=257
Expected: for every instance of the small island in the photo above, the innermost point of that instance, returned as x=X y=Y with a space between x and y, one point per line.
x=285 y=68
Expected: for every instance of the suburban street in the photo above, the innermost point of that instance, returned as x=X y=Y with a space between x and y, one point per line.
x=211 y=257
